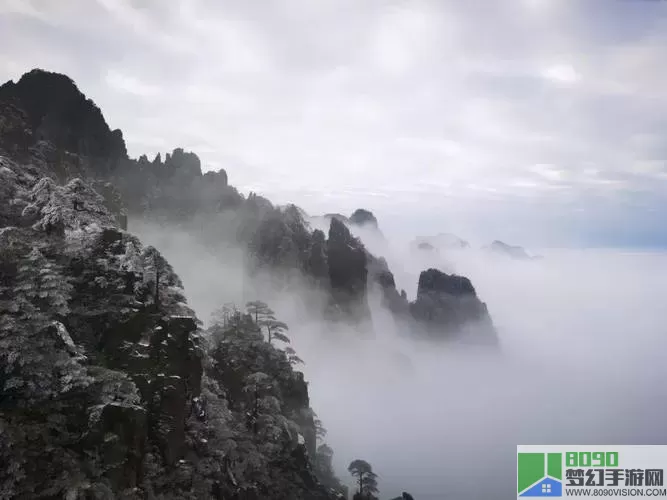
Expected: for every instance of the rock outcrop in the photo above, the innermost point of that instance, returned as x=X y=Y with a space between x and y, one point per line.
x=379 y=273
x=108 y=386
x=362 y=217
x=317 y=264
x=447 y=305
x=63 y=116
x=107 y=389
x=67 y=136
x=348 y=272
x=100 y=355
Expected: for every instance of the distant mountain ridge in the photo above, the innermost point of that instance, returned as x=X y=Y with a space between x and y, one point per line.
x=448 y=242
x=512 y=251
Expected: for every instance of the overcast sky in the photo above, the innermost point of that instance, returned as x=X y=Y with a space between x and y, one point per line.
x=540 y=122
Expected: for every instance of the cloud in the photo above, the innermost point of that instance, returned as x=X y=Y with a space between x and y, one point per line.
x=581 y=362
x=561 y=73
x=466 y=97
x=130 y=85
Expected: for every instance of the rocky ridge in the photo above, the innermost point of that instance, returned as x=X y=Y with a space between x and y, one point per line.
x=108 y=386
x=110 y=389
x=277 y=238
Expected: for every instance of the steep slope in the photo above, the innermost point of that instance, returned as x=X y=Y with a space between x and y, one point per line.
x=58 y=113
x=449 y=302
x=279 y=240
x=107 y=388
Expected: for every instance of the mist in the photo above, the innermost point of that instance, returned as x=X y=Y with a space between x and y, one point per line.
x=582 y=335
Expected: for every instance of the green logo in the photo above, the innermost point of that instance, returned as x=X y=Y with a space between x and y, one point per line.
x=539 y=474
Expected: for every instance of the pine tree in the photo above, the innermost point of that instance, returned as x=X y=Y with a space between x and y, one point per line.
x=320 y=431
x=41 y=282
x=276 y=330
x=224 y=314
x=366 y=479
x=265 y=317
x=292 y=357
x=260 y=312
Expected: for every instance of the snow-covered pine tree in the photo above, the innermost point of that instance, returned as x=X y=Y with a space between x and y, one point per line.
x=41 y=282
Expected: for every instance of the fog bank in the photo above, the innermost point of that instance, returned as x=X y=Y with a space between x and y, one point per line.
x=583 y=341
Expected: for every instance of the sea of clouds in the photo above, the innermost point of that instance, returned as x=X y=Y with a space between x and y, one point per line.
x=583 y=340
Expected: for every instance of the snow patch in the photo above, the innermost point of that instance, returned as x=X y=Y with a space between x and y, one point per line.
x=65 y=336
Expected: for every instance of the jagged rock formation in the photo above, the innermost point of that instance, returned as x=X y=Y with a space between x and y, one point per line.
x=45 y=115
x=348 y=273
x=100 y=356
x=379 y=273
x=64 y=117
x=269 y=400
x=317 y=263
x=360 y=217
x=339 y=217
x=449 y=303
x=107 y=389
x=38 y=124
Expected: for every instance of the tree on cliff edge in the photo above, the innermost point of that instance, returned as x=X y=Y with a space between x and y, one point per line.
x=366 y=479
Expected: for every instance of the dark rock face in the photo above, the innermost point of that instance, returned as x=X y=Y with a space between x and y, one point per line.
x=448 y=304
x=363 y=217
x=45 y=118
x=103 y=391
x=279 y=240
x=434 y=281
x=183 y=164
x=63 y=116
x=339 y=217
x=347 y=270
x=379 y=273
x=45 y=115
x=270 y=400
x=121 y=365
x=175 y=187
x=317 y=265
x=105 y=388
x=16 y=136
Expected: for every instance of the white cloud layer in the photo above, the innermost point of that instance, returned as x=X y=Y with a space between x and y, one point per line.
x=583 y=343
x=547 y=116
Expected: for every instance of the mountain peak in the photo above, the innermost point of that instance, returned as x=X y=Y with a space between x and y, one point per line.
x=57 y=111
x=362 y=217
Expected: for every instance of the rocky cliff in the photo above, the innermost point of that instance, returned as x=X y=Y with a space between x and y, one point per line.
x=108 y=386
x=447 y=302
x=38 y=123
